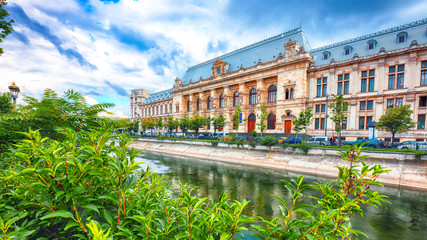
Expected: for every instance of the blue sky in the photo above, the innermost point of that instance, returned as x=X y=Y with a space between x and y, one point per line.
x=105 y=48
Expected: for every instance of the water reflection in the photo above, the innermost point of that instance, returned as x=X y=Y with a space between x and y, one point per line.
x=406 y=218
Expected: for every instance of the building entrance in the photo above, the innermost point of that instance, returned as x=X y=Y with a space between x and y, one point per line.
x=288 y=126
x=251 y=122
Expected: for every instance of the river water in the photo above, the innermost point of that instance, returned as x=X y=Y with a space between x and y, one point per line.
x=404 y=218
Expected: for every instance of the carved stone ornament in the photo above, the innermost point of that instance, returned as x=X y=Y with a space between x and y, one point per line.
x=241 y=67
x=259 y=61
x=382 y=50
x=280 y=56
x=414 y=43
x=355 y=56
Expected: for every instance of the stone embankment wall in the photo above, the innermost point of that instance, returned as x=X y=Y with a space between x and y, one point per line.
x=406 y=171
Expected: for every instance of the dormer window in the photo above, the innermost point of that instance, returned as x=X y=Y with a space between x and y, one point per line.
x=347 y=50
x=326 y=55
x=402 y=37
x=372 y=44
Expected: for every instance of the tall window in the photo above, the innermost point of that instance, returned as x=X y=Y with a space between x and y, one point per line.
x=209 y=102
x=423 y=101
x=198 y=104
x=344 y=124
x=291 y=94
x=252 y=96
x=421 y=121
x=321 y=87
x=396 y=76
x=236 y=99
x=319 y=123
x=188 y=106
x=366 y=105
x=343 y=83
x=391 y=103
x=221 y=101
x=368 y=81
x=424 y=73
x=161 y=110
x=320 y=108
x=272 y=94
x=364 y=121
x=271 y=121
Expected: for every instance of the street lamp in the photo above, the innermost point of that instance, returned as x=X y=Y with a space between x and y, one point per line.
x=14 y=92
x=326 y=117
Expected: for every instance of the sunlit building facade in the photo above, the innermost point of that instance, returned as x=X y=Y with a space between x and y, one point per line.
x=374 y=72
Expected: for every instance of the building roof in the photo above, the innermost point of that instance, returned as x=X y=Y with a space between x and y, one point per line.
x=158 y=96
x=387 y=39
x=266 y=50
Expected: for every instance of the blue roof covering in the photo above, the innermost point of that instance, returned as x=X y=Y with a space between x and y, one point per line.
x=158 y=96
x=387 y=39
x=266 y=50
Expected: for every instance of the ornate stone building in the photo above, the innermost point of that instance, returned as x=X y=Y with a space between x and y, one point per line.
x=374 y=72
x=157 y=104
x=137 y=97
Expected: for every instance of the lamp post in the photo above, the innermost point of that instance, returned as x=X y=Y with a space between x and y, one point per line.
x=326 y=117
x=14 y=92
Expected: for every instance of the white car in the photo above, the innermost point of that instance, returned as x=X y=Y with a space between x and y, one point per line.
x=412 y=145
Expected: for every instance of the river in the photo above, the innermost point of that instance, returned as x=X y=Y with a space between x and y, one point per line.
x=404 y=218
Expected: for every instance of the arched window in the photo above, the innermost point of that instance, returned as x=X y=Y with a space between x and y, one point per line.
x=252 y=96
x=272 y=94
x=236 y=99
x=221 y=101
x=209 y=102
x=271 y=121
x=287 y=94
x=198 y=104
x=188 y=106
x=292 y=94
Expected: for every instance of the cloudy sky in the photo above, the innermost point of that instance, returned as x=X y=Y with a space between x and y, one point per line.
x=105 y=48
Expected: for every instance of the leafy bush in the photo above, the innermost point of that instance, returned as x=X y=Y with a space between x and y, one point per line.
x=89 y=187
x=268 y=141
x=214 y=143
x=252 y=144
x=302 y=147
x=254 y=133
x=329 y=216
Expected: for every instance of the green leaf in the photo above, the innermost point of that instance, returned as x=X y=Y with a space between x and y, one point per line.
x=60 y=213
x=91 y=207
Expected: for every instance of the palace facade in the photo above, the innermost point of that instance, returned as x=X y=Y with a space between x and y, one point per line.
x=374 y=72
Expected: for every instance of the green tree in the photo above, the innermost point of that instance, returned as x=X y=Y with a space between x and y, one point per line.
x=159 y=123
x=171 y=124
x=218 y=122
x=6 y=105
x=262 y=117
x=396 y=120
x=302 y=121
x=339 y=115
x=236 y=119
x=197 y=122
x=5 y=26
x=184 y=124
x=148 y=123
x=54 y=113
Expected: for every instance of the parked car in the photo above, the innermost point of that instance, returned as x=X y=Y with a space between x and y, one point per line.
x=412 y=145
x=293 y=140
x=205 y=136
x=280 y=140
x=256 y=139
x=320 y=141
x=372 y=143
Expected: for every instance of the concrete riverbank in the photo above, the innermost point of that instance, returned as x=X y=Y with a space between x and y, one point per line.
x=406 y=171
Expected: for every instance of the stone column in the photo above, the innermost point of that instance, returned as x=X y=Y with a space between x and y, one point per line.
x=260 y=86
x=411 y=72
x=381 y=76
